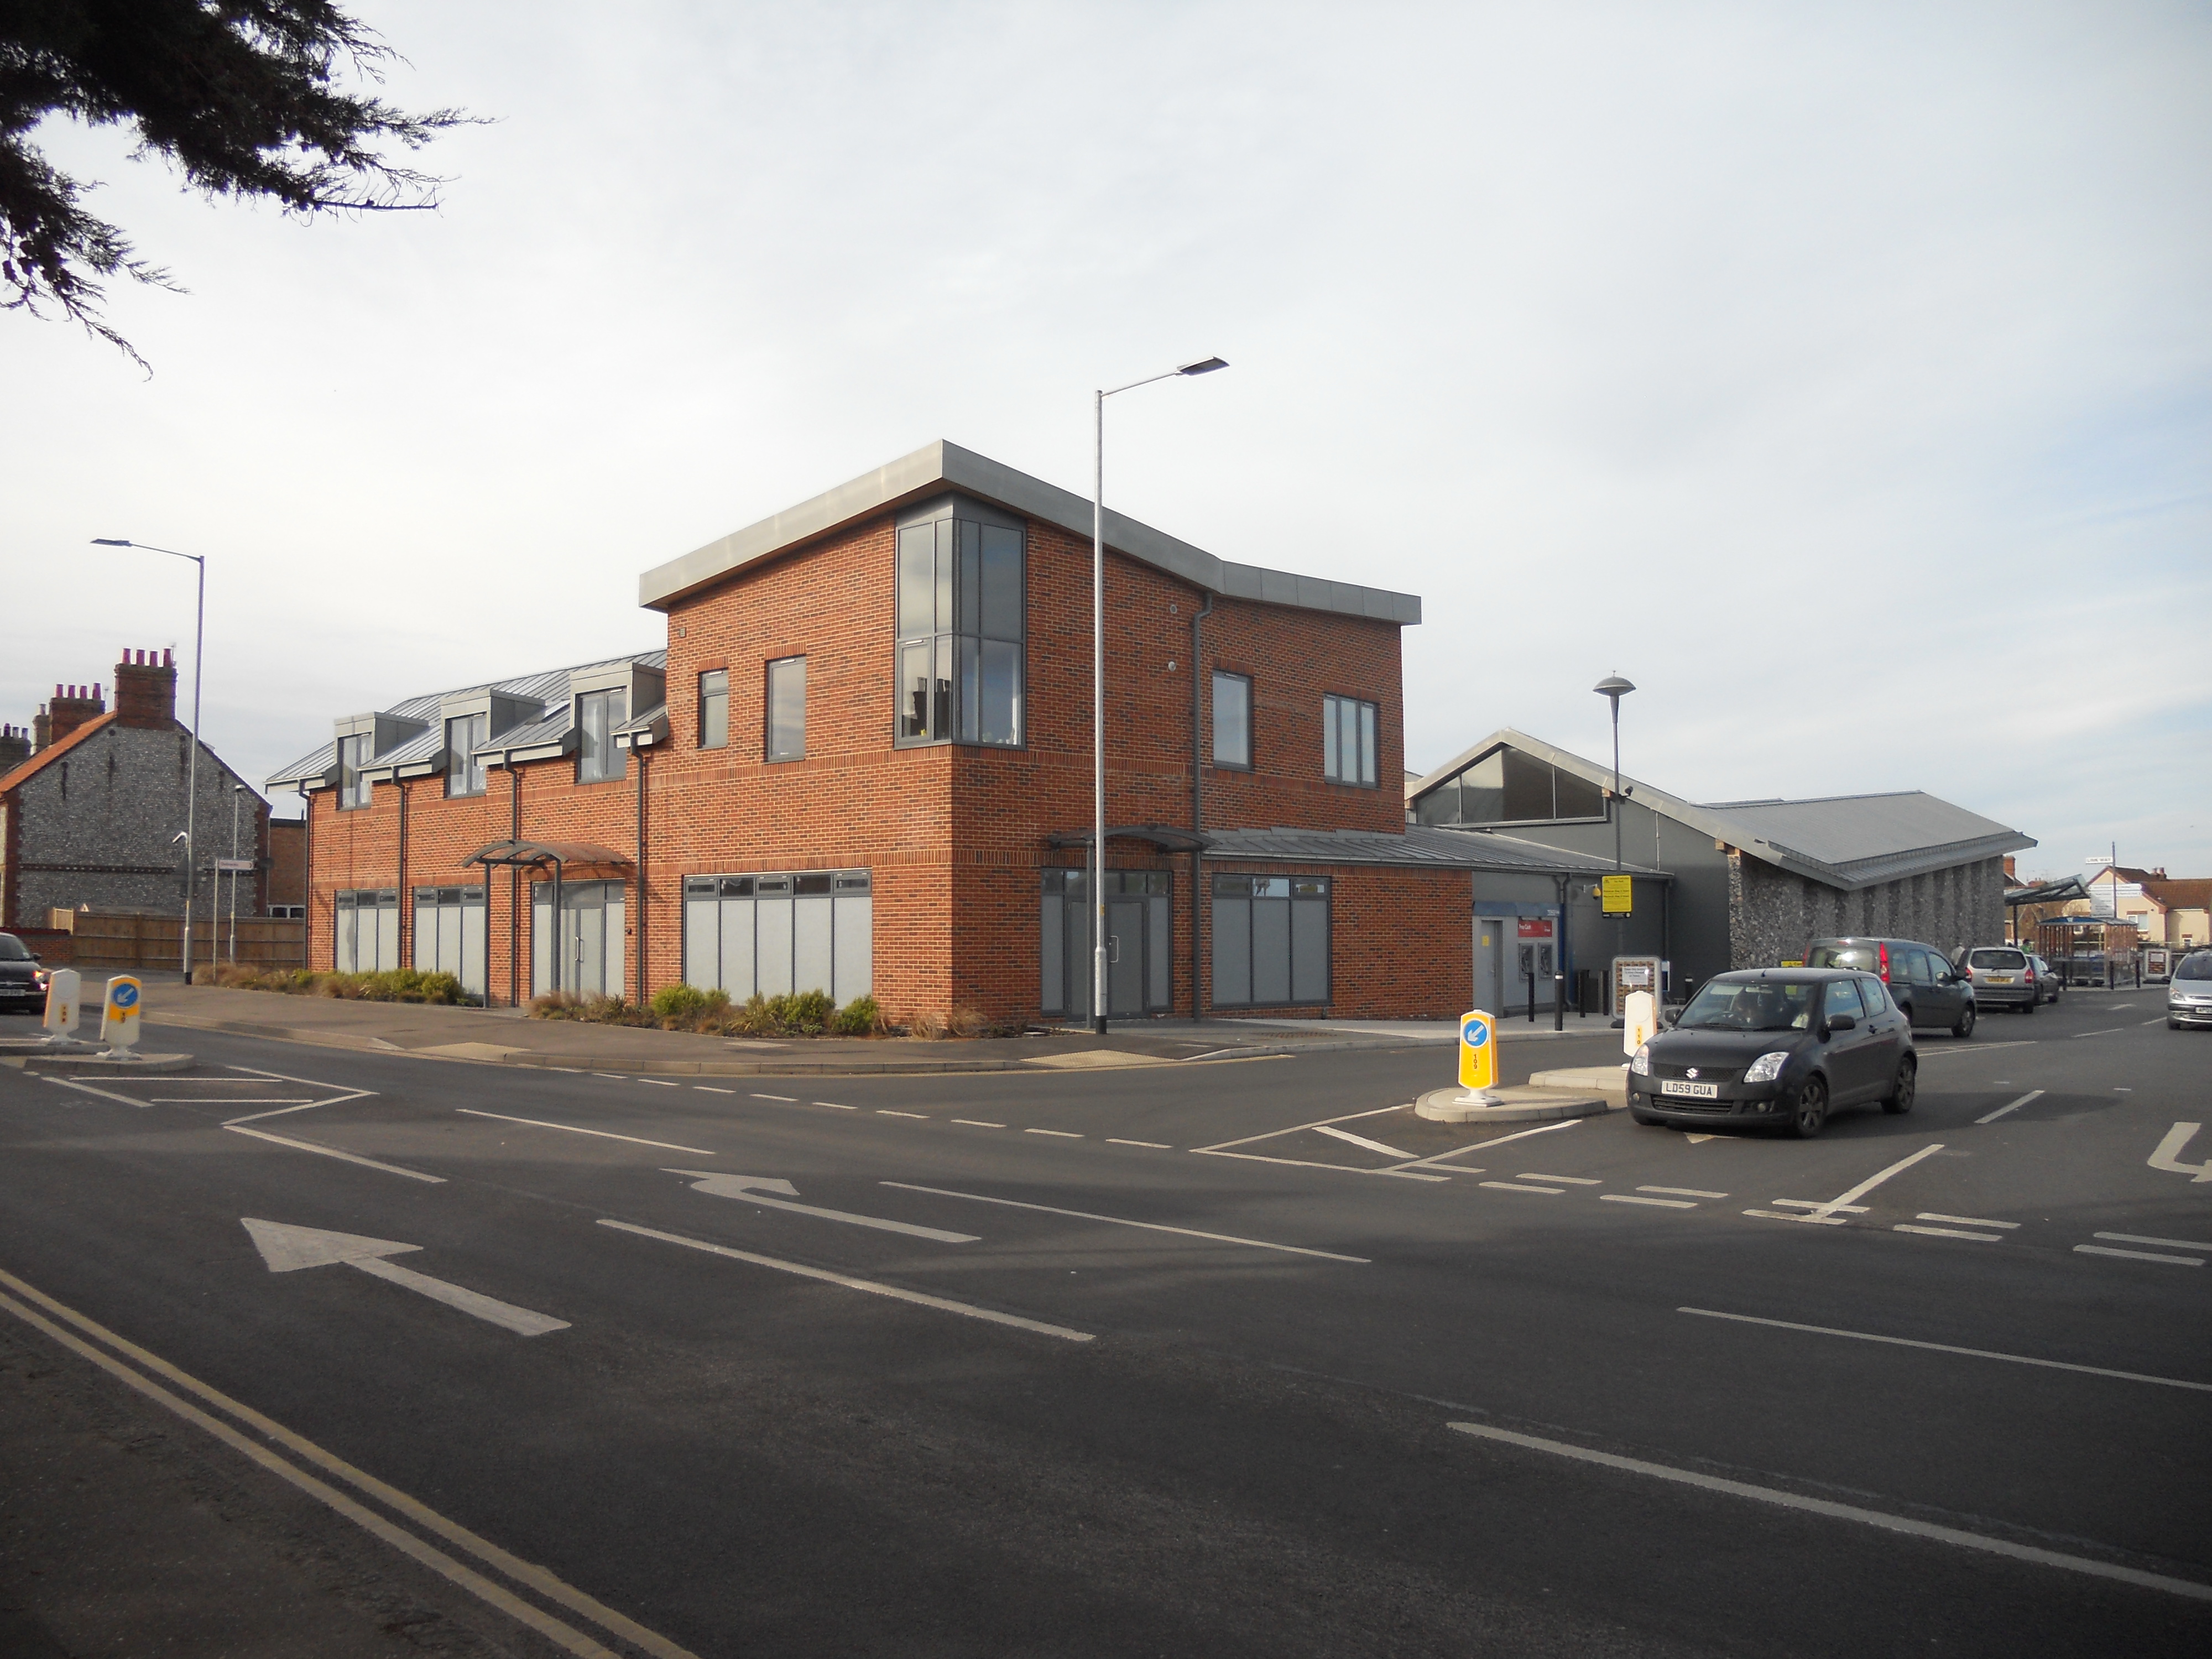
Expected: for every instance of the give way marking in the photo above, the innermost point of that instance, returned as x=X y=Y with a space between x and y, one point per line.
x=756 y=1190
x=288 y=1249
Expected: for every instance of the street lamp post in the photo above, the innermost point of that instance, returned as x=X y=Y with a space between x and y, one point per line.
x=1613 y=688
x=192 y=764
x=1204 y=365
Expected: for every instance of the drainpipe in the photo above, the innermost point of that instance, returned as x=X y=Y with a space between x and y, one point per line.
x=514 y=883
x=1197 y=810
x=406 y=911
x=640 y=754
x=307 y=880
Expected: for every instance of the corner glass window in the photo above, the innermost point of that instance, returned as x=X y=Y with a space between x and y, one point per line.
x=1347 y=740
x=787 y=708
x=465 y=769
x=960 y=611
x=598 y=714
x=1232 y=719
x=714 y=709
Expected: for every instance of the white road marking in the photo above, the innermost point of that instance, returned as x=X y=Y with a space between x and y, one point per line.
x=210 y=1100
x=1360 y=1140
x=1156 y=1145
x=1825 y=1214
x=885 y=1111
x=1966 y=1220
x=660 y=1083
x=1348 y=1117
x=942 y=1304
x=2013 y=1106
x=2161 y=1020
x=1681 y=1192
x=978 y=1123
x=2107 y=1031
x=1814 y=1204
x=1664 y=1203
x=1485 y=1145
x=788 y=1100
x=1948 y=1232
x=835 y=1106
x=709 y=1088
x=1124 y=1221
x=2168 y=1154
x=1973 y=1540
x=1695 y=1140
x=603 y=1134
x=618 y=1076
x=288 y=1249
x=88 y=1089
x=2137 y=1255
x=2137 y=1238
x=332 y=1152
x=1979 y=1049
x=1065 y=1135
x=2120 y=1007
x=1946 y=1347
x=1509 y=1187
x=1571 y=1180
x=565 y=1636
x=747 y=1189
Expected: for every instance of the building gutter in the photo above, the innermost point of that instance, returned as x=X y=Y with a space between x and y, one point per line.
x=641 y=754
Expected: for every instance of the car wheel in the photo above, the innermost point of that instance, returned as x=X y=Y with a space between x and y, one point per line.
x=1810 y=1114
x=1901 y=1094
x=2029 y=1007
x=1965 y=1028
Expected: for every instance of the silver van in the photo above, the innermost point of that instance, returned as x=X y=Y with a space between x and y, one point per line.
x=1921 y=981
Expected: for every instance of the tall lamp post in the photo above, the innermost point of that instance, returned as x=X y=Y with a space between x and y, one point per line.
x=1613 y=688
x=1204 y=365
x=192 y=764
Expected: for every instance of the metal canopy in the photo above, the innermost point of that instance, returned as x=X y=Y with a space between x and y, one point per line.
x=540 y=854
x=1165 y=836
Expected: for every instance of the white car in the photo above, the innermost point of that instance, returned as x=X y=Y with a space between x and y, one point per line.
x=2188 y=993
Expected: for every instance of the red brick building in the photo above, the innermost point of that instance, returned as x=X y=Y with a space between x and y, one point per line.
x=862 y=763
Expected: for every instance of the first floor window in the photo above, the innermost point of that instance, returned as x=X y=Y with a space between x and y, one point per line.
x=1232 y=719
x=1271 y=941
x=1347 y=740
x=787 y=708
x=961 y=627
x=714 y=709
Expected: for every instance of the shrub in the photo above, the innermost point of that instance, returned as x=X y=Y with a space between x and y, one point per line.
x=859 y=1018
x=927 y=1025
x=394 y=984
x=803 y=1012
x=678 y=1003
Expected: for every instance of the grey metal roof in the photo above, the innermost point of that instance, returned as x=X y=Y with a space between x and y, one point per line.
x=940 y=465
x=1848 y=842
x=1421 y=846
x=546 y=686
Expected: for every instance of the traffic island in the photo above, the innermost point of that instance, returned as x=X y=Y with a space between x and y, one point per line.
x=1522 y=1104
x=20 y=1054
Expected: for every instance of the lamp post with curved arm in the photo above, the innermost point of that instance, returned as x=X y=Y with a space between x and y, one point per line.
x=192 y=765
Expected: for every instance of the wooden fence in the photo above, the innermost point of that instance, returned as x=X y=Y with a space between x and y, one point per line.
x=90 y=941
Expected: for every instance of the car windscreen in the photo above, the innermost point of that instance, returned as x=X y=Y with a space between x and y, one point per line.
x=1764 y=1004
x=2000 y=959
x=1860 y=957
x=13 y=949
x=2196 y=967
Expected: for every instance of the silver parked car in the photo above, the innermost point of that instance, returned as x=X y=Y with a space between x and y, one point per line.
x=2189 y=992
x=2003 y=978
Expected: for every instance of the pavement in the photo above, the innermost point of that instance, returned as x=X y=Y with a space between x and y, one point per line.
x=1236 y=1356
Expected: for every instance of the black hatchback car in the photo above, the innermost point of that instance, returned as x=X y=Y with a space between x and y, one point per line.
x=23 y=987
x=1779 y=1046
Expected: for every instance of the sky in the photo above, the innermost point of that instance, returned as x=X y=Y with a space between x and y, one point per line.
x=1841 y=374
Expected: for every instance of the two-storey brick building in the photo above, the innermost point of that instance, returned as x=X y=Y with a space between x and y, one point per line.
x=862 y=763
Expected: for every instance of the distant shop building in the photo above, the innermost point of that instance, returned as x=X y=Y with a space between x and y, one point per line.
x=1752 y=882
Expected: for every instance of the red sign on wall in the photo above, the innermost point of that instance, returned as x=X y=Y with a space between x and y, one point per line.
x=1534 y=927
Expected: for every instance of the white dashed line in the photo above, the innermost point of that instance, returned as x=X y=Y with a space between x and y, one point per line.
x=1810 y=1204
x=602 y=1135
x=1156 y=1145
x=2106 y=1031
x=2138 y=1238
x=1569 y=1180
x=1065 y=1135
x=835 y=1106
x=788 y=1100
x=1948 y=1232
x=618 y=1076
x=1681 y=1192
x=660 y=1083
x=709 y=1088
x=978 y=1123
x=1966 y=1220
x=2137 y=1255
x=1662 y=1203
x=1509 y=1187
x=2033 y=1094
x=885 y=1111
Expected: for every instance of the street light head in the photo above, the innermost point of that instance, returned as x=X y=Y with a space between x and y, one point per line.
x=1205 y=366
x=1612 y=686
x=110 y=541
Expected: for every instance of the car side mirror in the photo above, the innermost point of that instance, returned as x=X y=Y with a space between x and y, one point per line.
x=1844 y=1022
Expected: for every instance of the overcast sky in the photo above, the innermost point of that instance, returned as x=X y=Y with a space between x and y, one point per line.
x=1839 y=374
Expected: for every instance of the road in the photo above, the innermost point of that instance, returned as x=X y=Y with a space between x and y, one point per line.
x=1231 y=1358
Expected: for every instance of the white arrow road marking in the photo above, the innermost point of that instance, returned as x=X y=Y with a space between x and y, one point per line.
x=288 y=1249
x=752 y=1189
x=2169 y=1155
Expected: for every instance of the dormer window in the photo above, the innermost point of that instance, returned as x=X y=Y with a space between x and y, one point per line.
x=465 y=769
x=598 y=714
x=353 y=787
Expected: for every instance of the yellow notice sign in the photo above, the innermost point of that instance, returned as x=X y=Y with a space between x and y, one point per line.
x=1616 y=894
x=1478 y=1051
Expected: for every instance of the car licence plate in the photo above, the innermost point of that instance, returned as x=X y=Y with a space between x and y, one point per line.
x=2000 y=979
x=1693 y=1090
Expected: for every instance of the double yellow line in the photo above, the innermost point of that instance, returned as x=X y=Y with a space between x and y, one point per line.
x=25 y=1304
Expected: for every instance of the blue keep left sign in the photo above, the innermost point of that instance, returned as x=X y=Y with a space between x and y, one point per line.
x=126 y=996
x=1474 y=1032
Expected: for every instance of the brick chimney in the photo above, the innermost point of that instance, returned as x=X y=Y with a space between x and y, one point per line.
x=70 y=706
x=15 y=747
x=146 y=690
